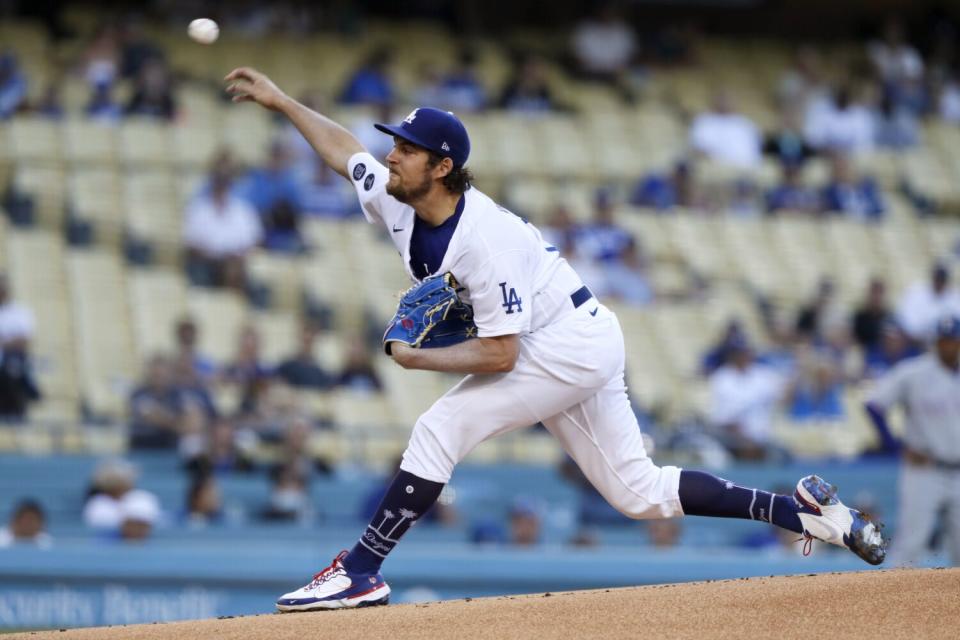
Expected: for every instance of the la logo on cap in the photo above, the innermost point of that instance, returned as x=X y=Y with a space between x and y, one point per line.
x=410 y=118
x=445 y=146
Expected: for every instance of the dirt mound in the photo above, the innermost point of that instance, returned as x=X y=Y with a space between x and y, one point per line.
x=922 y=603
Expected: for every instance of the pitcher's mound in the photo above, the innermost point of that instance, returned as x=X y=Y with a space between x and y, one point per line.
x=921 y=603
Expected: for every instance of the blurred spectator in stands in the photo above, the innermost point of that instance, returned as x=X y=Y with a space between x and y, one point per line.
x=601 y=239
x=264 y=187
x=743 y=396
x=786 y=142
x=664 y=534
x=663 y=191
x=458 y=89
x=892 y=347
x=816 y=392
x=358 y=373
x=157 y=408
x=247 y=365
x=27 y=526
x=895 y=127
x=281 y=229
x=840 y=123
x=100 y=60
x=559 y=229
x=114 y=506
x=605 y=47
x=302 y=369
x=220 y=229
x=743 y=199
x=13 y=85
x=373 y=140
x=726 y=136
x=322 y=193
x=18 y=387
x=627 y=278
x=716 y=356
x=153 y=92
x=225 y=450
x=295 y=450
x=50 y=105
x=792 y=195
x=185 y=336
x=850 y=194
x=948 y=100
x=136 y=48
x=528 y=88
x=897 y=62
x=802 y=82
x=872 y=316
x=525 y=526
x=101 y=106
x=289 y=499
x=822 y=311
x=204 y=505
x=371 y=83
x=924 y=303
x=267 y=406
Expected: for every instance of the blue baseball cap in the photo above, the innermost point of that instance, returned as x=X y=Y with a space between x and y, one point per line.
x=435 y=130
x=949 y=327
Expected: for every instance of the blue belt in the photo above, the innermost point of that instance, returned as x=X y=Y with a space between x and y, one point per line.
x=580 y=296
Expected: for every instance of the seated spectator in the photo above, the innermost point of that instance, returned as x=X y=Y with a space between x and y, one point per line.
x=220 y=229
x=101 y=106
x=840 y=124
x=787 y=143
x=247 y=365
x=743 y=396
x=13 y=85
x=895 y=60
x=281 y=229
x=276 y=182
x=358 y=373
x=559 y=229
x=892 y=348
x=817 y=391
x=924 y=303
x=302 y=370
x=525 y=525
x=153 y=92
x=295 y=450
x=626 y=279
x=726 y=136
x=115 y=507
x=854 y=196
x=27 y=526
x=18 y=386
x=732 y=337
x=802 y=82
x=602 y=240
x=948 y=100
x=792 y=194
x=224 y=451
x=100 y=60
x=136 y=49
x=158 y=408
x=871 y=317
x=895 y=127
x=822 y=311
x=204 y=506
x=289 y=500
x=186 y=336
x=604 y=47
x=460 y=89
x=371 y=83
x=323 y=193
x=528 y=89
x=662 y=191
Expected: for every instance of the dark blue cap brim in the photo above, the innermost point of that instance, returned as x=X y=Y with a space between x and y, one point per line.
x=400 y=132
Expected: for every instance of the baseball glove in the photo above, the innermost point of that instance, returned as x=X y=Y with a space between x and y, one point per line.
x=431 y=315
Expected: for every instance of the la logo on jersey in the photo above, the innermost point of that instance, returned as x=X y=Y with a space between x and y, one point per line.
x=510 y=299
x=410 y=118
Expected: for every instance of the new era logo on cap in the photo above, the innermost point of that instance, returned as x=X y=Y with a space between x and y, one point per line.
x=948 y=327
x=433 y=129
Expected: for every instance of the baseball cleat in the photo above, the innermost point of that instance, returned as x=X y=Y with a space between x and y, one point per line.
x=825 y=518
x=337 y=588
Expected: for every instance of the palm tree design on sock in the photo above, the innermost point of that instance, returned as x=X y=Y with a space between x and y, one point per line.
x=405 y=514
x=387 y=514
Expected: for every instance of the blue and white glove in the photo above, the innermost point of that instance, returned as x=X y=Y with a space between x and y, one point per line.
x=431 y=315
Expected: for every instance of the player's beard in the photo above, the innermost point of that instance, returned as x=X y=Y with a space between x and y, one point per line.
x=413 y=194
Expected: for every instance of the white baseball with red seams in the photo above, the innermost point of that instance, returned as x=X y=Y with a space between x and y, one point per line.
x=203 y=30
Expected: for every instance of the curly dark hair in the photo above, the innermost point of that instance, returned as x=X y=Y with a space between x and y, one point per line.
x=458 y=180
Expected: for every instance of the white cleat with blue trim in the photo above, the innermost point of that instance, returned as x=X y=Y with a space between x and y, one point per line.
x=826 y=518
x=337 y=588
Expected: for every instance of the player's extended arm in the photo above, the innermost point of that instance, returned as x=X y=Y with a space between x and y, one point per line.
x=333 y=142
x=877 y=415
x=479 y=355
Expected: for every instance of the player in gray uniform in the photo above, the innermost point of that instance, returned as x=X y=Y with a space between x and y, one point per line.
x=546 y=350
x=928 y=389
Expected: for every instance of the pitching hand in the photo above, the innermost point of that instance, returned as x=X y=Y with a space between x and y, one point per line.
x=249 y=85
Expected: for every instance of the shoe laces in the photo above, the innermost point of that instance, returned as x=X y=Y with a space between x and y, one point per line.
x=807 y=543
x=326 y=574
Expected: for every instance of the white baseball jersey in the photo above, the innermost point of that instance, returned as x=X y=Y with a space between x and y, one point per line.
x=569 y=370
x=515 y=281
x=930 y=395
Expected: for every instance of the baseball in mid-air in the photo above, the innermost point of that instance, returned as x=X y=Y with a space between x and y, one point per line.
x=203 y=30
